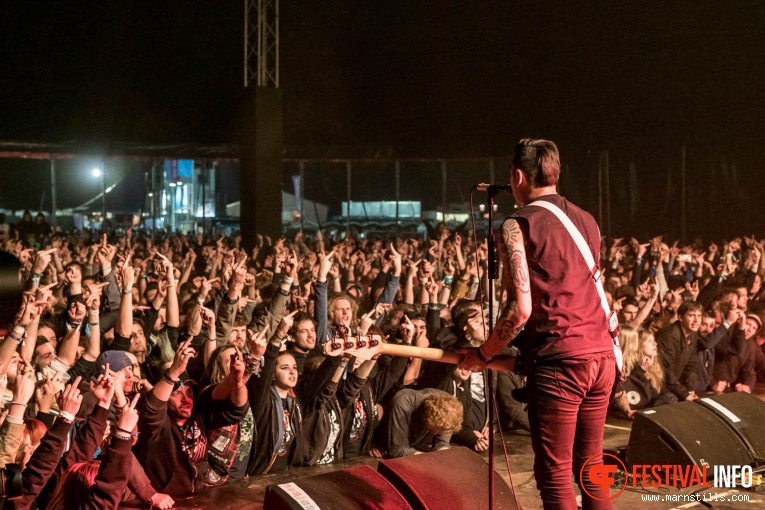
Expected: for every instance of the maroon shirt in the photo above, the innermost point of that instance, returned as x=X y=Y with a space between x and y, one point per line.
x=567 y=318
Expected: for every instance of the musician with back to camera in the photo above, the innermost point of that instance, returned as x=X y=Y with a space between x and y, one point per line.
x=568 y=350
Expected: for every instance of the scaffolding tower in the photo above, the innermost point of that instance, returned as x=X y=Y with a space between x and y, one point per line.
x=261 y=43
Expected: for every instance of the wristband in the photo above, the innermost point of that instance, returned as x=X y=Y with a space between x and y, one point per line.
x=481 y=357
x=20 y=325
x=93 y=324
x=13 y=336
x=106 y=269
x=127 y=292
x=74 y=323
x=14 y=420
x=128 y=432
x=117 y=435
x=66 y=416
x=288 y=280
x=36 y=275
x=14 y=403
x=19 y=331
x=448 y=279
x=170 y=380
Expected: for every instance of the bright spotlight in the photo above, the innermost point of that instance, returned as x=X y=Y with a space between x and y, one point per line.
x=96 y=172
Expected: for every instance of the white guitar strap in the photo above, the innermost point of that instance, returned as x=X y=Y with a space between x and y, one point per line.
x=584 y=249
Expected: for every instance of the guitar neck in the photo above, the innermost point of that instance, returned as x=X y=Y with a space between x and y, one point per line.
x=502 y=363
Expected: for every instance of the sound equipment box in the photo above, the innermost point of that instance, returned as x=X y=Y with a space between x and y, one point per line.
x=745 y=415
x=451 y=479
x=719 y=430
x=353 y=488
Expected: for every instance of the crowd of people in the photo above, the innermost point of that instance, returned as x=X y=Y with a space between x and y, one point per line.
x=128 y=345
x=691 y=318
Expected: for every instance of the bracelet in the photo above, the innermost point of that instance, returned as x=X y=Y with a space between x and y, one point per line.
x=93 y=324
x=481 y=357
x=66 y=416
x=106 y=269
x=14 y=403
x=13 y=336
x=287 y=279
x=19 y=331
x=448 y=279
x=170 y=380
x=20 y=324
x=127 y=292
x=170 y=285
x=128 y=432
x=123 y=437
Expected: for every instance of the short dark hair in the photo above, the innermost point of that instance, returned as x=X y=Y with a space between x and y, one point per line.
x=539 y=161
x=689 y=306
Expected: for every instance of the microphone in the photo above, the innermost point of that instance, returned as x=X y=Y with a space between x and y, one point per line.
x=494 y=188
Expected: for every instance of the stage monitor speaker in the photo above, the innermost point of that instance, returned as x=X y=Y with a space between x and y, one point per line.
x=684 y=434
x=455 y=479
x=745 y=414
x=353 y=488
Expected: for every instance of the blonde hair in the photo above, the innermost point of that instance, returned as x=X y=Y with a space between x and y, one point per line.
x=333 y=305
x=632 y=350
x=655 y=374
x=444 y=412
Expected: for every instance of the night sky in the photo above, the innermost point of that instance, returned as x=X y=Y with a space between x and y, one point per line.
x=426 y=77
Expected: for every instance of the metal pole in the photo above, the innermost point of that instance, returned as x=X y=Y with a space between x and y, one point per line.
x=493 y=274
x=682 y=177
x=53 y=203
x=443 y=189
x=348 y=170
x=153 y=198
x=301 y=165
x=398 y=191
x=103 y=196
x=600 y=189
x=204 y=197
x=608 y=196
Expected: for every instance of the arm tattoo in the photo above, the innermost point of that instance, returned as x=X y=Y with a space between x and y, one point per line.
x=511 y=232
x=519 y=269
x=507 y=330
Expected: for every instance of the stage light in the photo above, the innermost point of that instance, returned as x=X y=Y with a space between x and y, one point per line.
x=96 y=172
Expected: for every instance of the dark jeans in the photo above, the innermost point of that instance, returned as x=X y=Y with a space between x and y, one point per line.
x=568 y=401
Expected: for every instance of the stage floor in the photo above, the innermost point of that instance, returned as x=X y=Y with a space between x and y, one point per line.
x=249 y=494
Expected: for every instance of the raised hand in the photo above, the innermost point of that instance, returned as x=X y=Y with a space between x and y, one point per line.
x=103 y=388
x=395 y=258
x=257 y=342
x=325 y=264
x=71 y=399
x=128 y=418
x=286 y=324
x=42 y=260
x=181 y=360
x=407 y=329
x=25 y=383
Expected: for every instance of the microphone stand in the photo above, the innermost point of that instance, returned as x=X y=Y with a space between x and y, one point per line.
x=492 y=274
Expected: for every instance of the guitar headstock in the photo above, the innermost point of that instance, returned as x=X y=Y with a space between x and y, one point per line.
x=363 y=347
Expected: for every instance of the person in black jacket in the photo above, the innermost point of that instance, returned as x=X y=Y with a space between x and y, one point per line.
x=678 y=351
x=175 y=423
x=278 y=397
